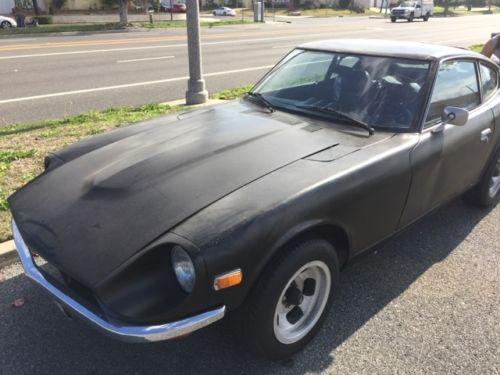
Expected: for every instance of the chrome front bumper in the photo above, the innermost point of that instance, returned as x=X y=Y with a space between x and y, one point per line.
x=114 y=329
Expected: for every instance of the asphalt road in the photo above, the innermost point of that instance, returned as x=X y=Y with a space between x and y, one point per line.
x=50 y=77
x=425 y=302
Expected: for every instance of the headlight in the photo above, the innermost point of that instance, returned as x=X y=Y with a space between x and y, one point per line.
x=183 y=268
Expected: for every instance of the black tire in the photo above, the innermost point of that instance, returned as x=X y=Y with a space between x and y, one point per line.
x=214 y=13
x=256 y=318
x=393 y=19
x=410 y=19
x=426 y=18
x=480 y=194
x=5 y=25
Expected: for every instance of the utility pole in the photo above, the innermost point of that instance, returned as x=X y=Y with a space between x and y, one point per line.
x=196 y=92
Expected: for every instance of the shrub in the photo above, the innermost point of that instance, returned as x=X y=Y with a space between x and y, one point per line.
x=58 y=4
x=45 y=20
x=344 y=4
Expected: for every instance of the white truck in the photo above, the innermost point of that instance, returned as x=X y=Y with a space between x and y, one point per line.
x=409 y=10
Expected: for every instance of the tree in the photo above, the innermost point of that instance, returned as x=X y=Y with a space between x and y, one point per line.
x=36 y=9
x=122 y=9
x=123 y=12
x=446 y=7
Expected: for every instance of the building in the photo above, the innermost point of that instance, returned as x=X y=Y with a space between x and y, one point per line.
x=6 y=6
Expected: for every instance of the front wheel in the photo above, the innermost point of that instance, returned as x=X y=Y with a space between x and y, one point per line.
x=5 y=25
x=410 y=19
x=426 y=18
x=393 y=19
x=291 y=299
x=486 y=192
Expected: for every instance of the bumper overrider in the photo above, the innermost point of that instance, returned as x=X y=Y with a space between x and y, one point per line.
x=123 y=332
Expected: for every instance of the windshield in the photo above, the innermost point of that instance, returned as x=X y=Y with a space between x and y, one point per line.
x=406 y=4
x=382 y=92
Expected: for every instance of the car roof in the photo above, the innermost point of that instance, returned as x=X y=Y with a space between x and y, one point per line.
x=393 y=48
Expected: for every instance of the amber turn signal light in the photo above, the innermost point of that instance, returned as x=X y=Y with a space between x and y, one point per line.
x=228 y=279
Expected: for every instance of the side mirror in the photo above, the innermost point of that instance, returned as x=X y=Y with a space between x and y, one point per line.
x=455 y=116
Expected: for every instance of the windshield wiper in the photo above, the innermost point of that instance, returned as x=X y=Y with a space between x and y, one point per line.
x=337 y=113
x=262 y=100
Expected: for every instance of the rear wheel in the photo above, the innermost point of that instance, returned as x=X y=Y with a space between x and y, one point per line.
x=426 y=18
x=5 y=25
x=486 y=192
x=290 y=300
x=393 y=19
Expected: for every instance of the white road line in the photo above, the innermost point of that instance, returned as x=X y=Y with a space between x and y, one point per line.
x=128 y=85
x=145 y=59
x=180 y=45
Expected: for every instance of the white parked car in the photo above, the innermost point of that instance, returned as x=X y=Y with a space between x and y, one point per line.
x=224 y=11
x=7 y=22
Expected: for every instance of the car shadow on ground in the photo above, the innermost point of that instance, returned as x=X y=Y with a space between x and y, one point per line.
x=36 y=338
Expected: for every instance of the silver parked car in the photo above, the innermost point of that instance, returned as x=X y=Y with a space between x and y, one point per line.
x=7 y=22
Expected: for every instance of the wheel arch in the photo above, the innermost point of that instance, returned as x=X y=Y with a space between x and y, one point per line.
x=335 y=233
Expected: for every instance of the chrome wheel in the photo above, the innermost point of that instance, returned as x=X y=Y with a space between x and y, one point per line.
x=302 y=302
x=495 y=180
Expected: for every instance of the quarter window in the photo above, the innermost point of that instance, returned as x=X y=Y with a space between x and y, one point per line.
x=489 y=80
x=456 y=85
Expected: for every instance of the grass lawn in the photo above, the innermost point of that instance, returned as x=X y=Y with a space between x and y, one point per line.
x=59 y=28
x=81 y=27
x=461 y=11
x=329 y=12
x=181 y=23
x=477 y=47
x=24 y=146
x=325 y=12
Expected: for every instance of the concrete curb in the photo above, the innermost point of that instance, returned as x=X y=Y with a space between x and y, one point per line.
x=8 y=253
x=68 y=33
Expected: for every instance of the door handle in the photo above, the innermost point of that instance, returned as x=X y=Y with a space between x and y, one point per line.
x=485 y=135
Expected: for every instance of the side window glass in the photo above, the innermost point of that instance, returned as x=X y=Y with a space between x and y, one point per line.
x=456 y=85
x=489 y=80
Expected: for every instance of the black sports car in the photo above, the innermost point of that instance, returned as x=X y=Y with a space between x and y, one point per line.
x=153 y=231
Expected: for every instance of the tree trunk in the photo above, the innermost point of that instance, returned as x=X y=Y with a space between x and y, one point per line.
x=446 y=7
x=36 y=9
x=123 y=11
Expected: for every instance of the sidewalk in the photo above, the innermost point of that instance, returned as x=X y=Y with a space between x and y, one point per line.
x=7 y=253
x=113 y=17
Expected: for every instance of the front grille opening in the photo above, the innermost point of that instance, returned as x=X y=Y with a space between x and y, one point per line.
x=67 y=285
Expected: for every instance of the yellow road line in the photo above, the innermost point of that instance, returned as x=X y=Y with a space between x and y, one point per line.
x=173 y=38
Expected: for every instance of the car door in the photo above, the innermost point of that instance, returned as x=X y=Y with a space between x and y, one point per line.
x=449 y=159
x=418 y=10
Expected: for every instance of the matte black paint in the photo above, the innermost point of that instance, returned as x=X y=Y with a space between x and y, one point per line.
x=232 y=184
x=144 y=184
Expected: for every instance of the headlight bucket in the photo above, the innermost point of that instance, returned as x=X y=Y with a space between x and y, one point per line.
x=183 y=268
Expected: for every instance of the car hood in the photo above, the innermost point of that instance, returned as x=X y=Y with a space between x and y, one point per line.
x=92 y=213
